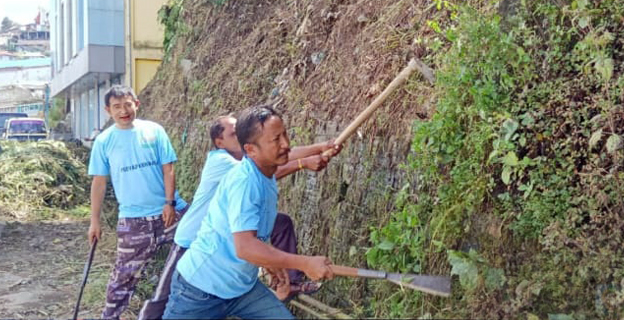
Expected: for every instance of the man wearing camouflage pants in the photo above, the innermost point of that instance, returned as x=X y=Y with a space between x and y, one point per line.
x=138 y=156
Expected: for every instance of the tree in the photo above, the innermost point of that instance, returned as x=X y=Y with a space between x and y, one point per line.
x=6 y=24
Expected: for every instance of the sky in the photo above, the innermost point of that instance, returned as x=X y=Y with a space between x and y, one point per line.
x=22 y=11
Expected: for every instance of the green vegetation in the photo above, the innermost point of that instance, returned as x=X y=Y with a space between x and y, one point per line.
x=57 y=112
x=512 y=184
x=6 y=24
x=170 y=16
x=517 y=175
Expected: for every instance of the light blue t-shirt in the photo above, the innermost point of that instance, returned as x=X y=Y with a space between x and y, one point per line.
x=218 y=163
x=134 y=158
x=245 y=200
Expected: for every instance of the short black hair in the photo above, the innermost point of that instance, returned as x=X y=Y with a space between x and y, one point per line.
x=250 y=121
x=216 y=129
x=119 y=91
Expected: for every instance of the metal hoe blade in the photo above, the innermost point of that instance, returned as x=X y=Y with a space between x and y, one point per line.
x=436 y=285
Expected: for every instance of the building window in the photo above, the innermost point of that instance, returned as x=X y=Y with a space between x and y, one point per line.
x=61 y=36
x=70 y=35
x=84 y=114
x=80 y=27
x=92 y=110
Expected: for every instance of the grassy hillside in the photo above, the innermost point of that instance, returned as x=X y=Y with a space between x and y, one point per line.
x=505 y=173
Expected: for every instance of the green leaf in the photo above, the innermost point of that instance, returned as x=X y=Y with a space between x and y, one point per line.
x=613 y=143
x=522 y=141
x=494 y=278
x=464 y=268
x=511 y=159
x=583 y=22
x=595 y=138
x=527 y=119
x=439 y=245
x=493 y=155
x=509 y=128
x=506 y=175
x=604 y=66
x=352 y=251
x=386 y=245
x=581 y=4
x=434 y=25
x=372 y=257
x=416 y=268
x=603 y=63
x=559 y=316
x=527 y=188
x=526 y=161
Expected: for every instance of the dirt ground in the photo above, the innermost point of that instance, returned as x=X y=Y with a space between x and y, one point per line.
x=41 y=269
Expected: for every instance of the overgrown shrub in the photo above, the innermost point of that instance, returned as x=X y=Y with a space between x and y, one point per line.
x=517 y=175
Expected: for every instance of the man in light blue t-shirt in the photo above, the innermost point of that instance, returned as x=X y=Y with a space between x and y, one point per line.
x=217 y=277
x=218 y=163
x=138 y=156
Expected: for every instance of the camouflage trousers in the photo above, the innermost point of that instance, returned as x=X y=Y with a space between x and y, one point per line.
x=138 y=240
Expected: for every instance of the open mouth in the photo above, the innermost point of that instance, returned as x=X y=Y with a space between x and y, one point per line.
x=125 y=118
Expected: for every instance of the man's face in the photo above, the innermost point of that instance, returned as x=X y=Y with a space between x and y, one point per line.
x=272 y=145
x=122 y=110
x=228 y=140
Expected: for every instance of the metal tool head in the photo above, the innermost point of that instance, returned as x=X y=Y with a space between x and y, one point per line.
x=436 y=285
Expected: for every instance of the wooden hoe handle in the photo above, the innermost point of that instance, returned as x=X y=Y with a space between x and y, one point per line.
x=368 y=112
x=344 y=271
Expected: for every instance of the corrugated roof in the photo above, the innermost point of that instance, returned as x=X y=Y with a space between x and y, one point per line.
x=26 y=63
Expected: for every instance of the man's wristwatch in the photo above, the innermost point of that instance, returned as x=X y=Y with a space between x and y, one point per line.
x=170 y=202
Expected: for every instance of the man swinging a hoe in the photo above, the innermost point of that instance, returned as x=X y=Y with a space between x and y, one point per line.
x=227 y=154
x=218 y=276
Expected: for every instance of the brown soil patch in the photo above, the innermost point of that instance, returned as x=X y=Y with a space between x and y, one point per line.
x=41 y=268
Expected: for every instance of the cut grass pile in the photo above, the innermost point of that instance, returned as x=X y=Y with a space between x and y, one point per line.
x=38 y=178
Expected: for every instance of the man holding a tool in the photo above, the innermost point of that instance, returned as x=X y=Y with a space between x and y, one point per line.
x=219 y=162
x=138 y=156
x=218 y=275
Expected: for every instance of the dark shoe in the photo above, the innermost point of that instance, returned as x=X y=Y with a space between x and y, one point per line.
x=307 y=287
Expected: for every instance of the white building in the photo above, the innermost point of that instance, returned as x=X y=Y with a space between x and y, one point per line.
x=25 y=71
x=23 y=85
x=6 y=55
x=24 y=98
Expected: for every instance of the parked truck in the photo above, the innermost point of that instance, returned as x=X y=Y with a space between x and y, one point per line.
x=25 y=129
x=4 y=116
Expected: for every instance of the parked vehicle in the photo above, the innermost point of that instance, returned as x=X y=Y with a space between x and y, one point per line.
x=4 y=116
x=24 y=129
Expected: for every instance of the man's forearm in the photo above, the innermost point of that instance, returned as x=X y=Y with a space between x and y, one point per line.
x=98 y=191
x=169 y=180
x=288 y=168
x=306 y=151
x=261 y=254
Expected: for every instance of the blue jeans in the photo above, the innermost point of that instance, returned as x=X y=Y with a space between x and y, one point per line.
x=188 y=302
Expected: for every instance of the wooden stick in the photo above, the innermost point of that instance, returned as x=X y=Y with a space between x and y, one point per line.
x=344 y=271
x=368 y=112
x=333 y=312
x=308 y=309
